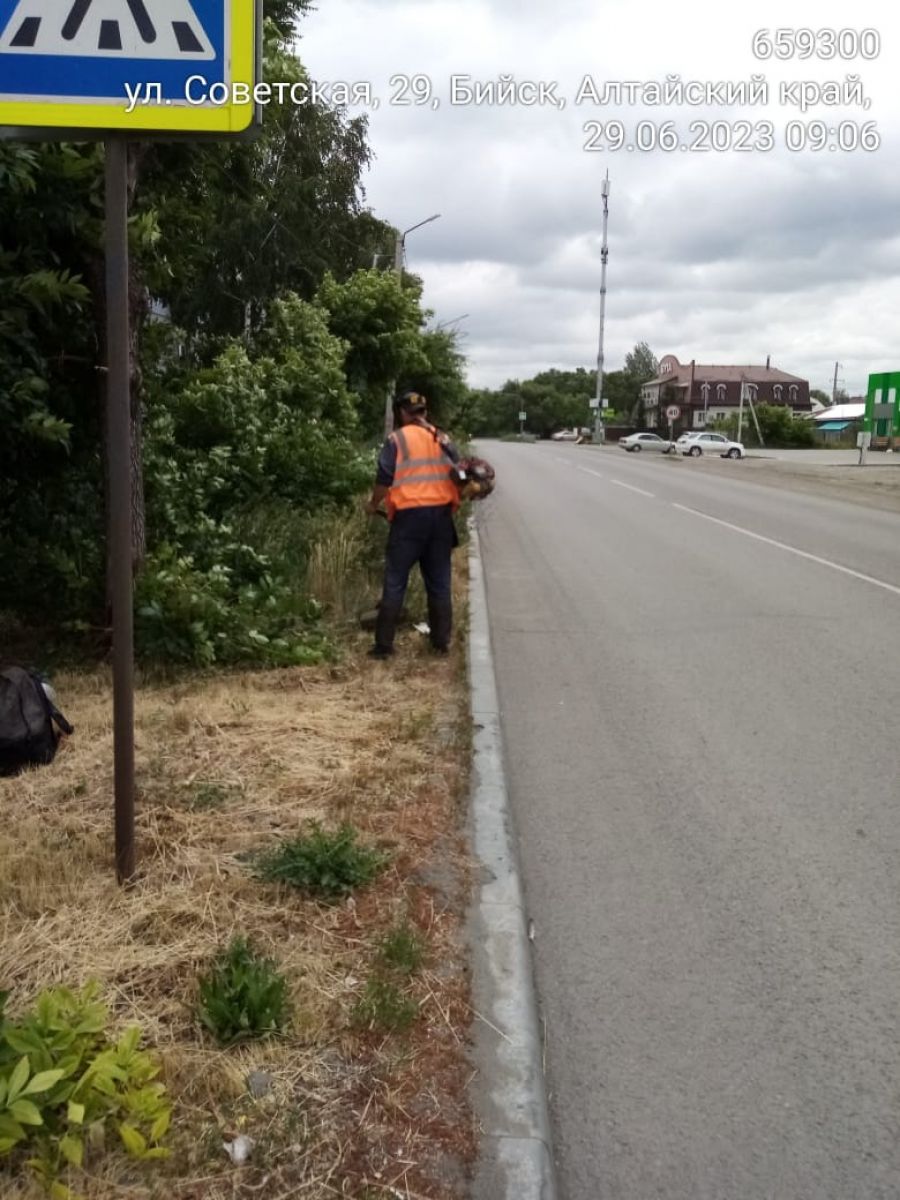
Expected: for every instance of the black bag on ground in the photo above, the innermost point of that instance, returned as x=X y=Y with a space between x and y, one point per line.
x=28 y=721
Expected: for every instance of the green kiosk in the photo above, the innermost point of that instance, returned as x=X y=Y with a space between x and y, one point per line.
x=882 y=419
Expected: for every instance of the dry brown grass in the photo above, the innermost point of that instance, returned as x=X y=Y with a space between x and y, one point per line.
x=226 y=765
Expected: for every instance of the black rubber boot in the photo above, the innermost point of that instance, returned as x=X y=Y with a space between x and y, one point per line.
x=440 y=622
x=385 y=628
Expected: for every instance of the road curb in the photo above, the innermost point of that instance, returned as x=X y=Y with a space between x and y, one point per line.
x=515 y=1152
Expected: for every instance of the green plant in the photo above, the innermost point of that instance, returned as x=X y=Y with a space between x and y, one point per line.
x=64 y=1084
x=243 y=996
x=233 y=611
x=383 y=1005
x=777 y=424
x=322 y=863
x=402 y=949
x=206 y=794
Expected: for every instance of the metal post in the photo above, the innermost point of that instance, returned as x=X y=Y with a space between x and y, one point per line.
x=754 y=416
x=388 y=412
x=118 y=439
x=604 y=256
x=399 y=247
x=389 y=396
x=741 y=412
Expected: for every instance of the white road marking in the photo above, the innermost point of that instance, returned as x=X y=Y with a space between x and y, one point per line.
x=823 y=562
x=632 y=488
x=619 y=483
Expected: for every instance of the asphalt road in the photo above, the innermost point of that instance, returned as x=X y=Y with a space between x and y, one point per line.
x=700 y=687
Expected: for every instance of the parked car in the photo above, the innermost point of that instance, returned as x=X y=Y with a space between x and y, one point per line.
x=635 y=442
x=565 y=435
x=695 y=444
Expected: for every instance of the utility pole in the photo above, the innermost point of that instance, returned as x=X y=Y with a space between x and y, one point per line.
x=741 y=411
x=754 y=416
x=837 y=367
x=604 y=257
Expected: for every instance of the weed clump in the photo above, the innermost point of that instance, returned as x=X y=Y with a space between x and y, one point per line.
x=326 y=864
x=402 y=949
x=244 y=996
x=383 y=1005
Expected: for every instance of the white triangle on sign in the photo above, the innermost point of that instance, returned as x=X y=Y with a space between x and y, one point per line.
x=160 y=29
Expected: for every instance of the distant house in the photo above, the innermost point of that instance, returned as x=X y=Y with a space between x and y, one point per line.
x=705 y=393
x=840 y=420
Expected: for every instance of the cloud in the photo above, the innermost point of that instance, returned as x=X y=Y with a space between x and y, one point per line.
x=718 y=256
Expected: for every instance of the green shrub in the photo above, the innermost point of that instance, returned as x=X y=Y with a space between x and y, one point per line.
x=64 y=1084
x=324 y=864
x=268 y=427
x=244 y=996
x=402 y=949
x=778 y=426
x=230 y=612
x=384 y=1006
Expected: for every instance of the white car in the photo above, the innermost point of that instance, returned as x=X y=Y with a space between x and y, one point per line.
x=565 y=435
x=635 y=442
x=695 y=444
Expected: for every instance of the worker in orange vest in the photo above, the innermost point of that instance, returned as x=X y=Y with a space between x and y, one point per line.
x=416 y=481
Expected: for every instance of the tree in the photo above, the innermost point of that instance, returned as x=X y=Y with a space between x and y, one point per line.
x=821 y=396
x=552 y=399
x=641 y=363
x=380 y=323
x=621 y=393
x=242 y=222
x=51 y=498
x=220 y=235
x=777 y=424
x=441 y=380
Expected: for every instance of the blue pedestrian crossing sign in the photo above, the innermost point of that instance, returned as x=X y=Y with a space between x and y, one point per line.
x=141 y=66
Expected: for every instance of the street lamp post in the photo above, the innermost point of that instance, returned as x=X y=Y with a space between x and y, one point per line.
x=400 y=243
x=452 y=321
x=399 y=247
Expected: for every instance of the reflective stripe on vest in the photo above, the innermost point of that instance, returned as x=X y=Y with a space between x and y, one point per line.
x=422 y=475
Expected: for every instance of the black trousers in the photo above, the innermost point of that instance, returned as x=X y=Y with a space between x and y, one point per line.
x=425 y=536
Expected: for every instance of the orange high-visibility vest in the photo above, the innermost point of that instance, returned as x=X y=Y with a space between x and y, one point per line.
x=422 y=476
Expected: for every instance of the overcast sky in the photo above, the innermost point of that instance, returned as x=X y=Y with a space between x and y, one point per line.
x=722 y=257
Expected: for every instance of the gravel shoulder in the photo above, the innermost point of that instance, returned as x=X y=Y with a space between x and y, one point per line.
x=872 y=486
